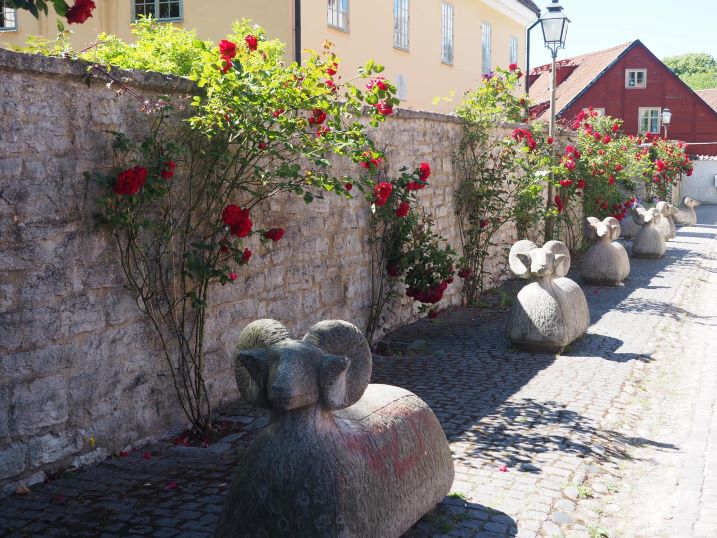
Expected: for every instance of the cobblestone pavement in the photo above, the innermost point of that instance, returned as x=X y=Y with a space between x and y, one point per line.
x=615 y=437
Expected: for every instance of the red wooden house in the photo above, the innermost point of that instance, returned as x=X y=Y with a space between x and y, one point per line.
x=631 y=83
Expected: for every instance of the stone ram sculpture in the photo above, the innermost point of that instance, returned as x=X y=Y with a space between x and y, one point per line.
x=650 y=240
x=605 y=262
x=629 y=228
x=339 y=457
x=666 y=224
x=686 y=216
x=551 y=312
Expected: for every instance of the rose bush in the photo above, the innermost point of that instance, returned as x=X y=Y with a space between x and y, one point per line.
x=184 y=202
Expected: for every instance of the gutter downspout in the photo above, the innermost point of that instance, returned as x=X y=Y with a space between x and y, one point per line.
x=527 y=54
x=297 y=31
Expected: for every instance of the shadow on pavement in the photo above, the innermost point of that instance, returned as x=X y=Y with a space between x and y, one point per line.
x=456 y=517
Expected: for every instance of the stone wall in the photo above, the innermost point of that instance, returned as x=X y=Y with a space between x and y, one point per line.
x=702 y=184
x=80 y=373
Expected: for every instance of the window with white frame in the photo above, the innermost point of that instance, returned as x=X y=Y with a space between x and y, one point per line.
x=635 y=78
x=447 y=33
x=486 y=31
x=161 y=10
x=513 y=48
x=649 y=120
x=8 y=20
x=400 y=24
x=338 y=14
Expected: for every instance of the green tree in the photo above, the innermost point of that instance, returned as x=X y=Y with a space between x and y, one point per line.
x=697 y=69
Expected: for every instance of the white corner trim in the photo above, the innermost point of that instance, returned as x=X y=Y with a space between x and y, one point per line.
x=514 y=10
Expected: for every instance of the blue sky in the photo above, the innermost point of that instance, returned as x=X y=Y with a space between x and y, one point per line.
x=666 y=27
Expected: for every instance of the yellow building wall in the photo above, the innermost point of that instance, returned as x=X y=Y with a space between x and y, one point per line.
x=370 y=36
x=212 y=20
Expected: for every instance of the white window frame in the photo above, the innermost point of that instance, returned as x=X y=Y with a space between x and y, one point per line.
x=513 y=50
x=337 y=14
x=447 y=33
x=655 y=113
x=629 y=73
x=401 y=24
x=486 y=38
x=7 y=12
x=156 y=9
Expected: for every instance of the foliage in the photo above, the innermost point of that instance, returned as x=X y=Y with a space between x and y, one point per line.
x=405 y=246
x=604 y=165
x=499 y=174
x=182 y=203
x=697 y=69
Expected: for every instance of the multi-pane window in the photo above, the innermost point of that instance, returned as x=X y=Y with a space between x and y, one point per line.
x=635 y=78
x=447 y=33
x=513 y=50
x=485 y=47
x=161 y=10
x=338 y=14
x=7 y=17
x=649 y=119
x=400 y=24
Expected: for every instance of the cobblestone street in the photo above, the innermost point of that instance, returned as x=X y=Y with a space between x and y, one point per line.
x=615 y=437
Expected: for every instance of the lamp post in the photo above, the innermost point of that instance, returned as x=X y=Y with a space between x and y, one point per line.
x=666 y=118
x=555 y=29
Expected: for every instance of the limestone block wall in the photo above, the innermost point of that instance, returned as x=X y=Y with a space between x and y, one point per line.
x=80 y=373
x=702 y=184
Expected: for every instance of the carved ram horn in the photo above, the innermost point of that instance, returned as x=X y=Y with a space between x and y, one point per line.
x=562 y=257
x=518 y=258
x=250 y=358
x=638 y=215
x=336 y=337
x=613 y=226
x=590 y=228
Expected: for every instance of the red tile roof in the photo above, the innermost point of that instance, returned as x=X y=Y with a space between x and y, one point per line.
x=709 y=97
x=586 y=69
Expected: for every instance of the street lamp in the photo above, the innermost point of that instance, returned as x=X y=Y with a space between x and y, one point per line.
x=555 y=29
x=666 y=117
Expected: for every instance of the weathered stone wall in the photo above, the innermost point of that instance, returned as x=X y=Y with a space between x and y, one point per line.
x=702 y=184
x=80 y=374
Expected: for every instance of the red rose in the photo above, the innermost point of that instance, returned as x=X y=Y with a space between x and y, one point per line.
x=384 y=108
x=131 y=181
x=550 y=140
x=348 y=186
x=247 y=254
x=618 y=167
x=233 y=276
x=581 y=184
x=330 y=84
x=237 y=219
x=227 y=49
x=558 y=203
x=382 y=192
x=321 y=131
x=331 y=71
x=606 y=139
x=274 y=234
x=80 y=11
x=317 y=117
x=660 y=165
x=611 y=180
x=569 y=164
x=370 y=161
x=615 y=128
x=251 y=42
x=227 y=66
x=465 y=272
x=566 y=182
x=424 y=171
x=403 y=209
x=278 y=112
x=512 y=67
x=262 y=145
x=168 y=170
x=379 y=82
x=483 y=223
